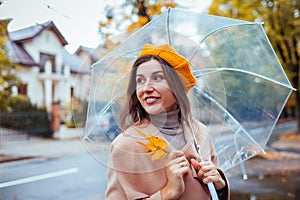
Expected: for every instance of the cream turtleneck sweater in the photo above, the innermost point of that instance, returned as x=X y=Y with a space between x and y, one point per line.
x=169 y=124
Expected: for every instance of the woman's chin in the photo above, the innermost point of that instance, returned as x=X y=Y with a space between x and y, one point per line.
x=154 y=110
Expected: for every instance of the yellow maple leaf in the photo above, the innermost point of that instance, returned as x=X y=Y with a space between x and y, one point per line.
x=156 y=146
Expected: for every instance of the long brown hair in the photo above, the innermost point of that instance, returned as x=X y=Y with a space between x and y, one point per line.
x=133 y=107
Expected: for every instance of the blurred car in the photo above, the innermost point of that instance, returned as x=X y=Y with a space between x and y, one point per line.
x=106 y=127
x=109 y=126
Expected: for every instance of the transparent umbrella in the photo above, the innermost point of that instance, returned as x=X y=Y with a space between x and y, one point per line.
x=241 y=86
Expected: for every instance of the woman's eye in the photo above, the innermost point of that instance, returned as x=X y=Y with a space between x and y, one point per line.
x=139 y=80
x=158 y=77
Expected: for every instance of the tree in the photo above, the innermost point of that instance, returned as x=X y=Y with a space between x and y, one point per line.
x=131 y=15
x=282 y=25
x=8 y=79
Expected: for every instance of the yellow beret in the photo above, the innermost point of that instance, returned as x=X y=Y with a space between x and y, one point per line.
x=179 y=63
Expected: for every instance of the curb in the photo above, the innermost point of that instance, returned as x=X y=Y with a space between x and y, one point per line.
x=13 y=158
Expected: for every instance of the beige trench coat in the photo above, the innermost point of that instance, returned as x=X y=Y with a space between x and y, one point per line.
x=133 y=175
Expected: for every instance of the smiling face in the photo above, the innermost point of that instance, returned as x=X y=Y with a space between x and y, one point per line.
x=152 y=89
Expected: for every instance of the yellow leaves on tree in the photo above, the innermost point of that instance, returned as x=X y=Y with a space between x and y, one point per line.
x=156 y=146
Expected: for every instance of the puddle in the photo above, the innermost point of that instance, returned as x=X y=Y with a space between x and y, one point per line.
x=267 y=187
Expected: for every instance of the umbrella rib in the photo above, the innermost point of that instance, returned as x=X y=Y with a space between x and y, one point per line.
x=240 y=127
x=168 y=26
x=106 y=108
x=204 y=72
x=226 y=27
x=108 y=105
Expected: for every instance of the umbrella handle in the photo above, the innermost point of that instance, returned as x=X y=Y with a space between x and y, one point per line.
x=212 y=191
x=211 y=187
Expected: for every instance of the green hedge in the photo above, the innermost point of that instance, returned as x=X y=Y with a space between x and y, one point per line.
x=22 y=115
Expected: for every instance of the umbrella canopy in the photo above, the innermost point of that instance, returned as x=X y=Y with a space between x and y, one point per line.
x=241 y=86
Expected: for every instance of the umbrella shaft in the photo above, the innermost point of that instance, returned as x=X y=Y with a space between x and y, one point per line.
x=211 y=187
x=212 y=191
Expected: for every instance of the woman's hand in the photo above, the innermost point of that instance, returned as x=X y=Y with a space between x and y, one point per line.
x=208 y=172
x=177 y=167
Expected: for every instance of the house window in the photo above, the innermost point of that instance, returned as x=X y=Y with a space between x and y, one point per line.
x=72 y=92
x=22 y=89
x=47 y=57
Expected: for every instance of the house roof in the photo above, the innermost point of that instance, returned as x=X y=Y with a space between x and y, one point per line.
x=32 y=31
x=17 y=54
x=95 y=54
x=75 y=63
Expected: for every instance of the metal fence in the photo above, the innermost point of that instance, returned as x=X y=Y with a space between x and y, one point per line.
x=11 y=135
x=23 y=124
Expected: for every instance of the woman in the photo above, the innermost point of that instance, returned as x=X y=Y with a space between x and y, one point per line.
x=158 y=106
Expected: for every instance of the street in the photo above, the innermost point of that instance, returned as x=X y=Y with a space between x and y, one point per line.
x=78 y=177
x=70 y=172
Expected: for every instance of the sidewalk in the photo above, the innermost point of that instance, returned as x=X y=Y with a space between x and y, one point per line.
x=67 y=141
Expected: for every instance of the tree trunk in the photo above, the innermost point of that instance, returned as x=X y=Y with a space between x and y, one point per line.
x=298 y=111
x=295 y=82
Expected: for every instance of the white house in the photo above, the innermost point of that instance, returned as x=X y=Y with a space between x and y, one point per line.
x=49 y=73
x=89 y=55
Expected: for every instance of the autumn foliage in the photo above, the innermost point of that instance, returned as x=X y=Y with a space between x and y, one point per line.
x=156 y=147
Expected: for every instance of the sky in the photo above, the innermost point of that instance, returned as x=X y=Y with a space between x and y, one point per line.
x=77 y=20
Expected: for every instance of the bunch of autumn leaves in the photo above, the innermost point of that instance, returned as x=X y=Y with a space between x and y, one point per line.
x=157 y=147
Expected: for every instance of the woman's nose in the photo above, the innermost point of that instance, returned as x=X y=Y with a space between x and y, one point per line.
x=148 y=86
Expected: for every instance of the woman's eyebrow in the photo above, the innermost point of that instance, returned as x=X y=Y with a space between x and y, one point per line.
x=156 y=72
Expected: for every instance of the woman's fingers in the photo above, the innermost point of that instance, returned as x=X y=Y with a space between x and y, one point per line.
x=183 y=164
x=175 y=154
x=217 y=180
x=208 y=172
x=206 y=166
x=195 y=164
x=176 y=168
x=178 y=165
x=202 y=167
x=177 y=158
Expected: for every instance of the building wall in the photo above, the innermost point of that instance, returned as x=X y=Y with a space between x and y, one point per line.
x=44 y=88
x=81 y=85
x=86 y=58
x=46 y=42
x=34 y=85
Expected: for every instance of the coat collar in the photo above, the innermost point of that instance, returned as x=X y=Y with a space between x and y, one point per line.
x=189 y=148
